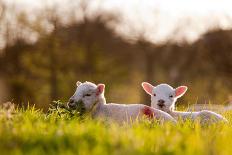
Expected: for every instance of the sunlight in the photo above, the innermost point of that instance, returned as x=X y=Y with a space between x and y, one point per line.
x=161 y=20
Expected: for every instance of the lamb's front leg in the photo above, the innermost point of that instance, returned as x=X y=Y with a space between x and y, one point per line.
x=156 y=114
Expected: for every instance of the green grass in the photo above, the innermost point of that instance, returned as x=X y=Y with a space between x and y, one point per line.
x=31 y=131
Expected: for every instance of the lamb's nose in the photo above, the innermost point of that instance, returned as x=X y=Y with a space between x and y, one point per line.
x=161 y=103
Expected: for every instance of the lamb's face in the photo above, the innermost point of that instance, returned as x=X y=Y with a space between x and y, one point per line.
x=86 y=95
x=163 y=96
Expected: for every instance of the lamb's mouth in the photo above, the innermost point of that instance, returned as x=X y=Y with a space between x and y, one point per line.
x=79 y=106
x=161 y=105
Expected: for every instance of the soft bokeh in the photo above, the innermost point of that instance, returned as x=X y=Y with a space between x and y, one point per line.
x=46 y=46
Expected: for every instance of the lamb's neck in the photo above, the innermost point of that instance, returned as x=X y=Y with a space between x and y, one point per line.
x=101 y=101
x=100 y=104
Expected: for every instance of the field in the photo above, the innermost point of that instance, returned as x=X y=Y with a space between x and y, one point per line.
x=31 y=131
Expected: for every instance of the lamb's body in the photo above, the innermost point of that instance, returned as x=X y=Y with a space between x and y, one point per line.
x=128 y=113
x=93 y=100
x=163 y=97
x=117 y=112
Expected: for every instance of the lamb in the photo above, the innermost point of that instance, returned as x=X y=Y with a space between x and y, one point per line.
x=90 y=97
x=163 y=97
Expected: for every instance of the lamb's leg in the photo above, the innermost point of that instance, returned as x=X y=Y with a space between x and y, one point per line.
x=156 y=114
x=208 y=117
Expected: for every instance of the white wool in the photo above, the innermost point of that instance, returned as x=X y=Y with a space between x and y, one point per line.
x=168 y=95
x=97 y=107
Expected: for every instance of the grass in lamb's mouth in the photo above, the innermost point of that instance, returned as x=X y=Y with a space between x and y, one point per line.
x=62 y=110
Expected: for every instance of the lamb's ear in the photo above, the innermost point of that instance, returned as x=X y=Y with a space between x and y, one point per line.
x=180 y=91
x=100 y=89
x=78 y=83
x=147 y=87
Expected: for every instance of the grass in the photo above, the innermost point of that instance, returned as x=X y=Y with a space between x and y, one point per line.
x=30 y=131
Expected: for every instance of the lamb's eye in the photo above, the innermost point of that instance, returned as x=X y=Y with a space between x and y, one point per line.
x=154 y=94
x=87 y=95
x=171 y=96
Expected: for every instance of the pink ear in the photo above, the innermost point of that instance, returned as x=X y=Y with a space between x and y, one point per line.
x=147 y=87
x=100 y=89
x=180 y=91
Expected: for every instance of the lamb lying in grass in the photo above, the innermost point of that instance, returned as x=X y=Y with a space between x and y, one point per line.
x=90 y=99
x=163 y=97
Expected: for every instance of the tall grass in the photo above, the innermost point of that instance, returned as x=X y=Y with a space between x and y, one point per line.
x=31 y=131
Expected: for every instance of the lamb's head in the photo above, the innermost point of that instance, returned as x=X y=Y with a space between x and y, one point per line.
x=163 y=96
x=87 y=96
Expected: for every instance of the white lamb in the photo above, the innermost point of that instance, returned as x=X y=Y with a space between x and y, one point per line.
x=90 y=97
x=163 y=97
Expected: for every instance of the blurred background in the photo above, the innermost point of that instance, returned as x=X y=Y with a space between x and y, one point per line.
x=48 y=45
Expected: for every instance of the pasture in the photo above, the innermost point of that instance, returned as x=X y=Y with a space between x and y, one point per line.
x=47 y=46
x=31 y=131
